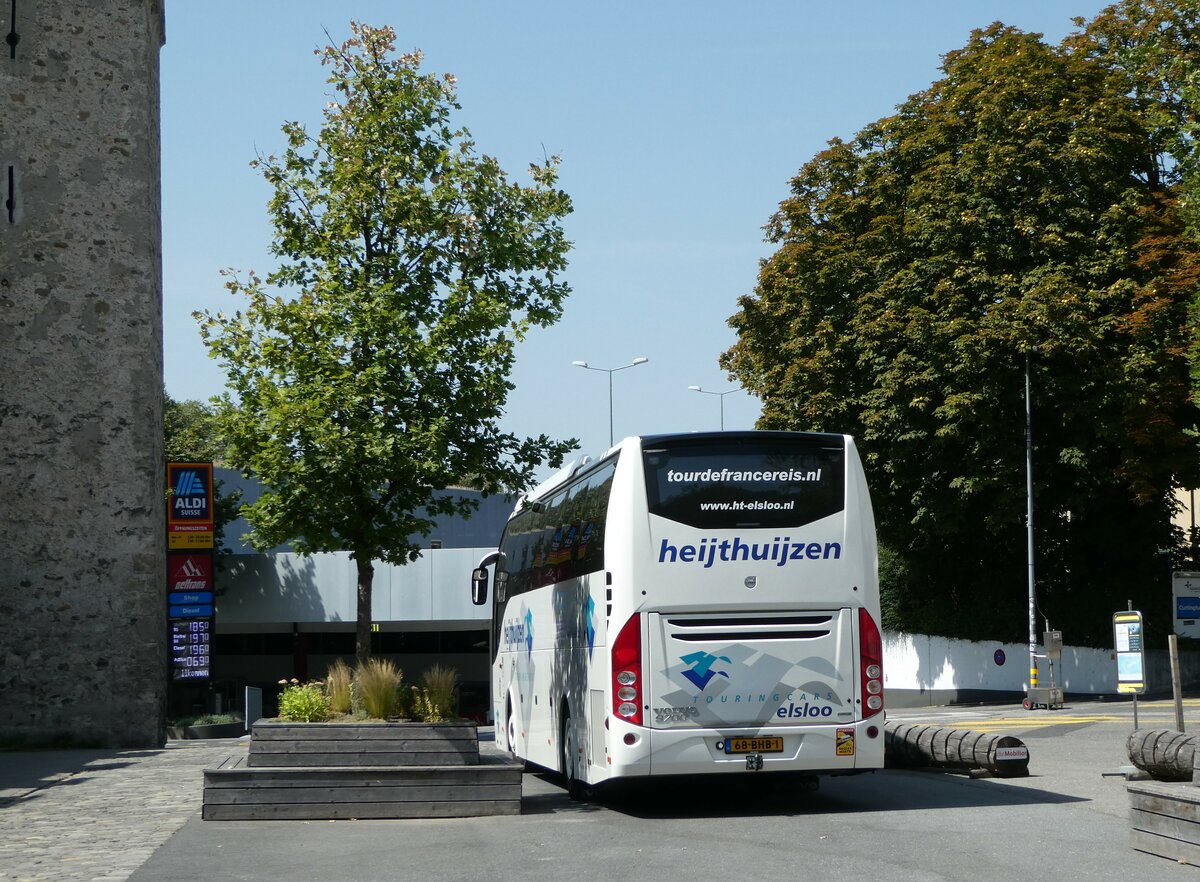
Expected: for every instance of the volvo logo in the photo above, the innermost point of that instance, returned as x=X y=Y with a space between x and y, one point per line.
x=752 y=582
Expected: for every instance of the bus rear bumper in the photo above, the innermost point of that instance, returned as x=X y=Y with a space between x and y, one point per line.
x=825 y=749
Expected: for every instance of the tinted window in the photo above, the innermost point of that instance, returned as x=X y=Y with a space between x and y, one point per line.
x=564 y=540
x=751 y=482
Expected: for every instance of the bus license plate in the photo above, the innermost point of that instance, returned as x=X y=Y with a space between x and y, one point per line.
x=753 y=745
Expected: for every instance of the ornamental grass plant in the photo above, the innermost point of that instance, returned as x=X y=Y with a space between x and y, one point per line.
x=339 y=686
x=377 y=686
x=437 y=700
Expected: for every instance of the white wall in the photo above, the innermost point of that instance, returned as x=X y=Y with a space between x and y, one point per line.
x=286 y=587
x=919 y=669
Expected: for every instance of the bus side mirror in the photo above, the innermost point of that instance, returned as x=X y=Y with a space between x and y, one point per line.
x=479 y=586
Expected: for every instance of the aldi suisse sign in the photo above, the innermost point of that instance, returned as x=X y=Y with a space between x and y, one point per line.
x=190 y=505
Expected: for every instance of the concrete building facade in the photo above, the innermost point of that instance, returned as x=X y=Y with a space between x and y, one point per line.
x=281 y=615
x=82 y=573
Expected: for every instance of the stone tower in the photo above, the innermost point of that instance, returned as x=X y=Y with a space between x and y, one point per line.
x=82 y=584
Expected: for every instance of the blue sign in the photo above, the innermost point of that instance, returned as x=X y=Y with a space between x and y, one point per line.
x=187 y=612
x=191 y=597
x=1187 y=607
x=190 y=493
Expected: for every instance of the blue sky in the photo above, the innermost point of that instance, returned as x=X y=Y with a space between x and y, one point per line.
x=679 y=124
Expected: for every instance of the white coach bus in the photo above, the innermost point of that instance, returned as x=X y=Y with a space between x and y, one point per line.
x=691 y=604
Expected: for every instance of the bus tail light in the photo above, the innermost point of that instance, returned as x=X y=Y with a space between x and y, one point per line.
x=627 y=672
x=870 y=664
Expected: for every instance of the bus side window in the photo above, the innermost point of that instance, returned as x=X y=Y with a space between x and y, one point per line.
x=591 y=557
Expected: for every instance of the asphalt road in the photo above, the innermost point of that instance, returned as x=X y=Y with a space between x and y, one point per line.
x=1068 y=819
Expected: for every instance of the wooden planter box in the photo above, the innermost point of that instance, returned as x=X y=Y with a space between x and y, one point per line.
x=1165 y=819
x=234 y=792
x=279 y=743
x=306 y=771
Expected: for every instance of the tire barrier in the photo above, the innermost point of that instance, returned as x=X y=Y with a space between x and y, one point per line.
x=914 y=746
x=1163 y=754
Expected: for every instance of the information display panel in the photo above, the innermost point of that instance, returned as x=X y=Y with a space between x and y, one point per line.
x=191 y=649
x=1131 y=655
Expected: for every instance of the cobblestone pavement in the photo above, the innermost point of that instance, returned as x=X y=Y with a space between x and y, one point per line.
x=97 y=815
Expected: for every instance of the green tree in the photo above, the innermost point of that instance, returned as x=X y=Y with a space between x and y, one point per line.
x=1003 y=213
x=1154 y=47
x=190 y=431
x=414 y=266
x=191 y=434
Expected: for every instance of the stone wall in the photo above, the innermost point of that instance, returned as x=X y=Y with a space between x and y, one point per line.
x=82 y=597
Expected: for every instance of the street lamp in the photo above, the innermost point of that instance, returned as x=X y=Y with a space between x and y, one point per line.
x=610 y=371
x=1033 y=637
x=720 y=395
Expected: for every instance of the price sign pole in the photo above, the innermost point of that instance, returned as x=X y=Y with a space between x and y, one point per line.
x=190 y=529
x=1131 y=656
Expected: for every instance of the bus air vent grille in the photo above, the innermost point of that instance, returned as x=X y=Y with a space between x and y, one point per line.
x=710 y=628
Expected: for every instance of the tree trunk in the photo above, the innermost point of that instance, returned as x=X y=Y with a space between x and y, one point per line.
x=1166 y=755
x=362 y=634
x=909 y=746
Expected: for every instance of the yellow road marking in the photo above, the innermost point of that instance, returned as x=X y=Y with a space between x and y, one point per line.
x=1157 y=714
x=1034 y=723
x=1012 y=723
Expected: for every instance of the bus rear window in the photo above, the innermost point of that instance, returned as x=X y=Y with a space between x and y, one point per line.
x=758 y=482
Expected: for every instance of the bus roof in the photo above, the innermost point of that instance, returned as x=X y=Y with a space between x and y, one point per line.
x=571 y=468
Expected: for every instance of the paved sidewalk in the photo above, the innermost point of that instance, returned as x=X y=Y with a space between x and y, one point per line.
x=97 y=815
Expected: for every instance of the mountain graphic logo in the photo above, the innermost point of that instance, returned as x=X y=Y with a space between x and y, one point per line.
x=700 y=671
x=190 y=569
x=189 y=484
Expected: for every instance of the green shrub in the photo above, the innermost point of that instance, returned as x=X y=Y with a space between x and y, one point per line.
x=378 y=688
x=205 y=720
x=339 y=686
x=437 y=701
x=303 y=702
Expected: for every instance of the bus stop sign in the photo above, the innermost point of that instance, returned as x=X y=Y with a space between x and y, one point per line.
x=1131 y=655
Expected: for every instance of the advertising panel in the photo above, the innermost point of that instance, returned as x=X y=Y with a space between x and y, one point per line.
x=190 y=606
x=1131 y=655
x=1185 y=602
x=190 y=505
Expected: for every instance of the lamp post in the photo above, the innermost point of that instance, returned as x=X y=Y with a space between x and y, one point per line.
x=720 y=395
x=610 y=372
x=1033 y=639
